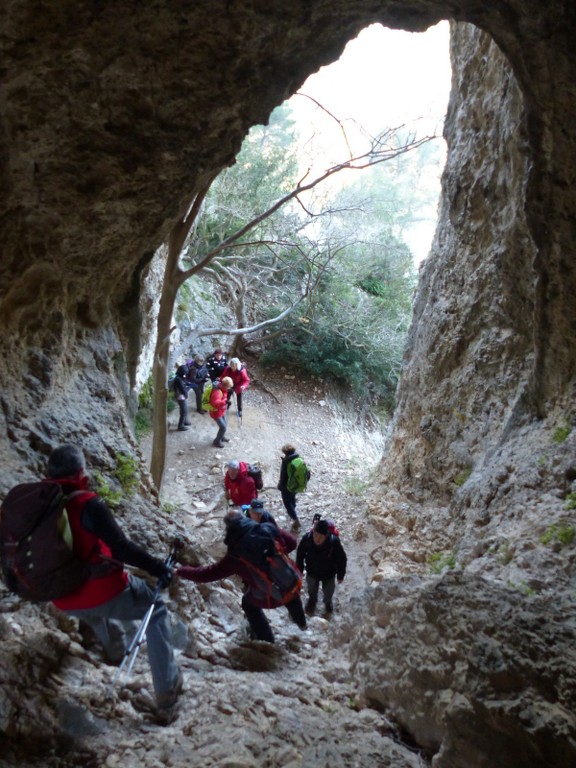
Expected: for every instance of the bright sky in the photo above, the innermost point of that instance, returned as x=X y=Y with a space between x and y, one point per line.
x=385 y=78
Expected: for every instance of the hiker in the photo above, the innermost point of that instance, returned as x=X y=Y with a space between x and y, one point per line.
x=239 y=486
x=321 y=554
x=292 y=474
x=181 y=394
x=196 y=378
x=241 y=381
x=218 y=399
x=216 y=364
x=257 y=513
x=239 y=527
x=110 y=597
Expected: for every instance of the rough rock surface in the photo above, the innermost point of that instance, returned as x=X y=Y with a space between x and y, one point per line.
x=112 y=115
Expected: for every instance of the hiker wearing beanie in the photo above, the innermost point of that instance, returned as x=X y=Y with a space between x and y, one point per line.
x=321 y=555
x=257 y=513
x=181 y=395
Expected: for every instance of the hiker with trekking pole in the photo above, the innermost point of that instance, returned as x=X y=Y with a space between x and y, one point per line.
x=87 y=578
x=240 y=380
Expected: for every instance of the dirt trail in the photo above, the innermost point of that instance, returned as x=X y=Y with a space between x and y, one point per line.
x=294 y=704
x=278 y=409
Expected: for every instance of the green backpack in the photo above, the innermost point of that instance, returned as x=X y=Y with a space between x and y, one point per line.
x=206 y=405
x=298 y=475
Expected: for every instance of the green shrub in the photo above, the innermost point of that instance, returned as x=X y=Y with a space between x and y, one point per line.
x=355 y=486
x=127 y=473
x=561 y=433
x=570 y=501
x=142 y=423
x=441 y=560
x=460 y=479
x=146 y=395
x=103 y=489
x=564 y=534
x=506 y=552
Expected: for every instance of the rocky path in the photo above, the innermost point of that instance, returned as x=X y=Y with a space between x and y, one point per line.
x=246 y=704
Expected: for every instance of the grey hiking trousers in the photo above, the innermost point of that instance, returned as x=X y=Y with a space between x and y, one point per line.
x=110 y=622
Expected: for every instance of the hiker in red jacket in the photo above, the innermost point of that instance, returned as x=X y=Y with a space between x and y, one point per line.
x=240 y=380
x=218 y=400
x=110 y=598
x=239 y=486
x=230 y=565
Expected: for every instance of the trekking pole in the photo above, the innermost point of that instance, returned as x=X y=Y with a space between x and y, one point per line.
x=139 y=637
x=237 y=409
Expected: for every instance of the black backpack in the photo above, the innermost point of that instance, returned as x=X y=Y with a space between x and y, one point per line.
x=275 y=578
x=36 y=555
x=256 y=474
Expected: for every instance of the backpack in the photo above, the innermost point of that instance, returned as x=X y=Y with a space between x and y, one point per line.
x=206 y=405
x=36 y=555
x=255 y=473
x=275 y=578
x=298 y=475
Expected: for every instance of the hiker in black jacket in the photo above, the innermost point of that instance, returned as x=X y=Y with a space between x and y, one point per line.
x=216 y=364
x=288 y=496
x=321 y=554
x=196 y=378
x=181 y=395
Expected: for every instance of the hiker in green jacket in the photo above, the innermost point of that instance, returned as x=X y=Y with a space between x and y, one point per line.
x=294 y=475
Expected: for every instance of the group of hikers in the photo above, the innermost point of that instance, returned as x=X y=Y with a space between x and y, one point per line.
x=214 y=383
x=88 y=579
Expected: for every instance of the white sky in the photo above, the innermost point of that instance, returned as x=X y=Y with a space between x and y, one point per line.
x=385 y=78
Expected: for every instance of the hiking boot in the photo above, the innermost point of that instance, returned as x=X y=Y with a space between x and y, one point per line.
x=225 y=439
x=187 y=423
x=329 y=608
x=218 y=445
x=202 y=411
x=183 y=429
x=310 y=606
x=296 y=524
x=166 y=703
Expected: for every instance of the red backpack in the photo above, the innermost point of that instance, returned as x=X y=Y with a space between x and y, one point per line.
x=276 y=580
x=36 y=555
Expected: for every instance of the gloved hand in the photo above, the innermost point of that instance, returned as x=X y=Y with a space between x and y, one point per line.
x=166 y=578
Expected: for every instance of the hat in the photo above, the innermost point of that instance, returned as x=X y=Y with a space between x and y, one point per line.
x=257 y=505
x=321 y=527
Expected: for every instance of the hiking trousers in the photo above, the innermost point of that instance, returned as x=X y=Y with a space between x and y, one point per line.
x=260 y=625
x=107 y=620
x=183 y=406
x=289 y=501
x=221 y=429
x=328 y=587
